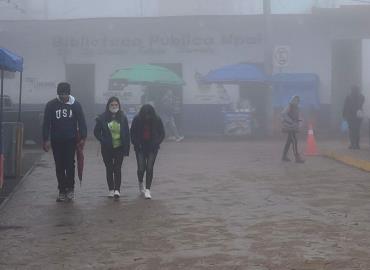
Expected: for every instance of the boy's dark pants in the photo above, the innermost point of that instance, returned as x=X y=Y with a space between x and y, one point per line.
x=64 y=157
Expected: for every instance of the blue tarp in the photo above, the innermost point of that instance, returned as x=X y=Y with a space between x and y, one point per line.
x=10 y=61
x=305 y=85
x=235 y=74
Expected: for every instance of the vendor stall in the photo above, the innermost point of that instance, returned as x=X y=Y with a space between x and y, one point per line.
x=238 y=123
x=241 y=118
x=10 y=62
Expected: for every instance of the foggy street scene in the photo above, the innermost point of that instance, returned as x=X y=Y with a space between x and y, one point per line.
x=198 y=134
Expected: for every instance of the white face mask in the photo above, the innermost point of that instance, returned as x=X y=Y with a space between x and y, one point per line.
x=114 y=110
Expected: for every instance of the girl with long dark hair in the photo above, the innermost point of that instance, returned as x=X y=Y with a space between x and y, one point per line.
x=112 y=132
x=147 y=133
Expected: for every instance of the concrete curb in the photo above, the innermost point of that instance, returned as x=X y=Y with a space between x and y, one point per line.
x=348 y=160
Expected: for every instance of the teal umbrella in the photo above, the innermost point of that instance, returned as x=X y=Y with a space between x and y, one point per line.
x=147 y=74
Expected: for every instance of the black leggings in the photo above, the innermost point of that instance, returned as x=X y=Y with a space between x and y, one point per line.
x=113 y=158
x=145 y=163
x=291 y=139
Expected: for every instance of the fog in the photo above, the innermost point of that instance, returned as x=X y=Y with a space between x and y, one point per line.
x=256 y=155
x=238 y=60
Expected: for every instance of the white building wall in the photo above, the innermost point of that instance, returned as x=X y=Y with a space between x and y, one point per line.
x=310 y=52
x=72 y=9
x=68 y=9
x=366 y=75
x=42 y=69
x=46 y=49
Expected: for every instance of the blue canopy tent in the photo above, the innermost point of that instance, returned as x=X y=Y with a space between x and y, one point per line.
x=252 y=82
x=305 y=85
x=235 y=74
x=9 y=61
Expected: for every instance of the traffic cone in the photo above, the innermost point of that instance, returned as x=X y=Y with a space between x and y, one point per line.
x=311 y=148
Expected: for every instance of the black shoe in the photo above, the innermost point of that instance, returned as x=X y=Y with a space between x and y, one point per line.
x=285 y=159
x=298 y=159
x=61 y=197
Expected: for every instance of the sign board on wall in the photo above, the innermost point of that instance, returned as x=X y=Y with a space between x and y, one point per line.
x=129 y=95
x=281 y=56
x=206 y=93
x=151 y=44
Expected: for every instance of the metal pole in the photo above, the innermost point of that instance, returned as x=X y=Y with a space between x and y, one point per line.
x=268 y=67
x=1 y=131
x=267 y=36
x=20 y=96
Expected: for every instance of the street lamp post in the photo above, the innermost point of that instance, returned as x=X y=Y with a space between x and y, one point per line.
x=267 y=36
x=267 y=62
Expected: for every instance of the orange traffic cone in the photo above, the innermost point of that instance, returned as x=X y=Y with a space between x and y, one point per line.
x=311 y=148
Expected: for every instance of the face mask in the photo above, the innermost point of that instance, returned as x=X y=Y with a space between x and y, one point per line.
x=114 y=110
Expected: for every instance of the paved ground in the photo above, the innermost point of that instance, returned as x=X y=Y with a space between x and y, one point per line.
x=216 y=205
x=338 y=150
x=30 y=155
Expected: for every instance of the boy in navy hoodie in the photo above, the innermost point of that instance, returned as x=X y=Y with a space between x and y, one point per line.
x=63 y=122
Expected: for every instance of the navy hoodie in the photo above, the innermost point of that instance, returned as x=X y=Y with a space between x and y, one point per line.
x=63 y=120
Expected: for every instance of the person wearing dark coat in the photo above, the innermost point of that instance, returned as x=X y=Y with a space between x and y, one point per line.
x=112 y=131
x=166 y=109
x=147 y=133
x=290 y=122
x=63 y=124
x=352 y=113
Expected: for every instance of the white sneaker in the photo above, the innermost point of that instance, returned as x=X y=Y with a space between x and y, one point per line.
x=147 y=194
x=111 y=194
x=70 y=195
x=179 y=139
x=141 y=188
x=116 y=194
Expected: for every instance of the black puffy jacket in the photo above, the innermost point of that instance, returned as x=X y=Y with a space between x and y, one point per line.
x=156 y=131
x=104 y=136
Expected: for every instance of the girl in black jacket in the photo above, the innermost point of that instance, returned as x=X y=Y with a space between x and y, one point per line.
x=147 y=133
x=112 y=132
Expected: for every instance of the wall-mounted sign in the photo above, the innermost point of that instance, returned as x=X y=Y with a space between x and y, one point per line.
x=281 y=56
x=151 y=44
